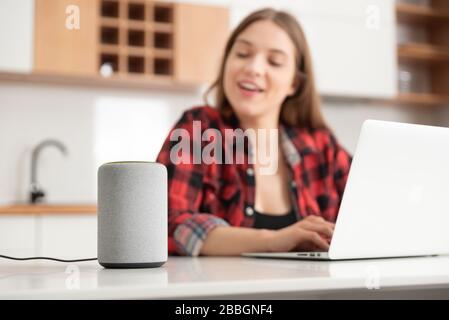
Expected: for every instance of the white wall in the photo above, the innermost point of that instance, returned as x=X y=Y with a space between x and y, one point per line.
x=95 y=125
x=16 y=53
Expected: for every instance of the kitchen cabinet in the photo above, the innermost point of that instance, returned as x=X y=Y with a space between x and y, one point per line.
x=352 y=43
x=59 y=236
x=353 y=47
x=130 y=40
x=17 y=235
x=67 y=236
x=16 y=35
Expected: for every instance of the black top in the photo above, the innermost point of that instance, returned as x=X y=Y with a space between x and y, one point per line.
x=273 y=222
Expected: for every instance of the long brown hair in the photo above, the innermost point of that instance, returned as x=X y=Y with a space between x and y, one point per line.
x=301 y=109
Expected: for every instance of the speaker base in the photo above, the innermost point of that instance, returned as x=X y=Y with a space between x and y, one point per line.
x=131 y=265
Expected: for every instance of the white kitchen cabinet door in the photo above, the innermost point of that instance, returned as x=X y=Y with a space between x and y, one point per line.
x=16 y=35
x=17 y=235
x=352 y=42
x=67 y=236
x=353 y=47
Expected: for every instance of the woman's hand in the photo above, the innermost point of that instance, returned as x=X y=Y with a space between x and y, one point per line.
x=313 y=233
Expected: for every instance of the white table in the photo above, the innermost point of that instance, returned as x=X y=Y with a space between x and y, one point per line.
x=229 y=277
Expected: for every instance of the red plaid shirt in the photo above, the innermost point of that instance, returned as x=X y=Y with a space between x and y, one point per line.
x=203 y=196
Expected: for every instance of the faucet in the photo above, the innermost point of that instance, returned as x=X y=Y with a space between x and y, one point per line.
x=36 y=192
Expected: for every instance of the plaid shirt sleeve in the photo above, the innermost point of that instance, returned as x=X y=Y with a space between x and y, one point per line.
x=187 y=225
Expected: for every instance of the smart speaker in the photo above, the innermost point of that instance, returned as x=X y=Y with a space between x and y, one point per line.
x=132 y=214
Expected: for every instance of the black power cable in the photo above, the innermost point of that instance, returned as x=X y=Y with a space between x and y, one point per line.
x=46 y=258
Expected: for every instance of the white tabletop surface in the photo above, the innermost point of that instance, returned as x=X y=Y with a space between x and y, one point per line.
x=221 y=277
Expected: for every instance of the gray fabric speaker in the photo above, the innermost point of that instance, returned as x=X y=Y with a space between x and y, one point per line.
x=132 y=215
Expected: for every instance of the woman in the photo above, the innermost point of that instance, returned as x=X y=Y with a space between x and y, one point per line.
x=265 y=82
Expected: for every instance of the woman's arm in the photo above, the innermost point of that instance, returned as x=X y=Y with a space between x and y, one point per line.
x=309 y=234
x=231 y=241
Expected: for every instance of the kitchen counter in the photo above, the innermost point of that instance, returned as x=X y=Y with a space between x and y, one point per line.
x=49 y=209
x=229 y=277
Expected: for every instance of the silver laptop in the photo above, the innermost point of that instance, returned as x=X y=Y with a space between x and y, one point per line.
x=396 y=200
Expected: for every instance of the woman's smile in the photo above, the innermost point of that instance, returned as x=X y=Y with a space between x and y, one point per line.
x=249 y=89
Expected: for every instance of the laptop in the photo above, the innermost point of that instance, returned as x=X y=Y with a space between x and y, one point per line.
x=396 y=200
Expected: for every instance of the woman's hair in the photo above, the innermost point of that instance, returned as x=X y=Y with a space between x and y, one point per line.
x=301 y=109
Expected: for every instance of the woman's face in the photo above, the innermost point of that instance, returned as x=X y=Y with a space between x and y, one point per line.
x=260 y=71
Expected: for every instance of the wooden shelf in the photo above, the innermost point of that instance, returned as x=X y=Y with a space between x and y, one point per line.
x=416 y=14
x=48 y=209
x=163 y=53
x=423 y=52
x=425 y=59
x=162 y=27
x=139 y=25
x=422 y=99
x=109 y=22
x=110 y=49
x=118 y=81
x=137 y=51
x=418 y=100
